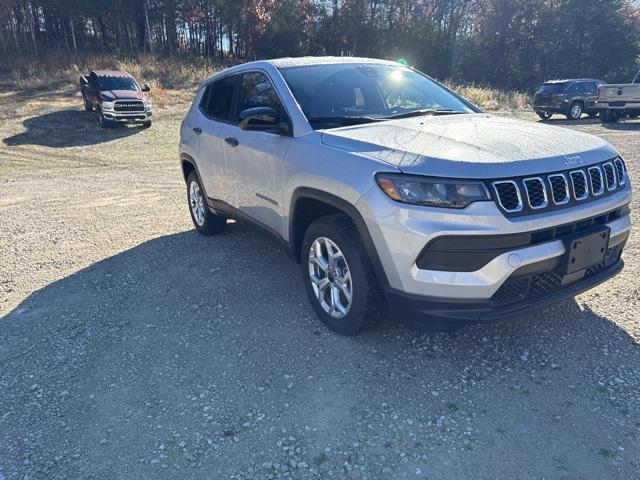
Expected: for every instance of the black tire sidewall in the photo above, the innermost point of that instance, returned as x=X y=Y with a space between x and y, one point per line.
x=212 y=223
x=544 y=115
x=570 y=115
x=363 y=310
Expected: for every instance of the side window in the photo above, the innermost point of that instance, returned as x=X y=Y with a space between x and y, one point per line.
x=256 y=91
x=216 y=100
x=576 y=88
x=591 y=88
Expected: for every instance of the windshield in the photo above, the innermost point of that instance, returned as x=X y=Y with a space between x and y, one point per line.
x=345 y=93
x=553 y=87
x=117 y=83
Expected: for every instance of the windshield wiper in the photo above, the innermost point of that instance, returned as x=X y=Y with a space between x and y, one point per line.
x=419 y=113
x=343 y=120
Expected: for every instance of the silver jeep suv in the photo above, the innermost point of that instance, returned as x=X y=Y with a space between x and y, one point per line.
x=393 y=191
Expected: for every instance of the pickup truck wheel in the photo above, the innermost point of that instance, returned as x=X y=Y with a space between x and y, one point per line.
x=87 y=104
x=609 y=116
x=575 y=111
x=338 y=276
x=204 y=220
x=545 y=115
x=104 y=123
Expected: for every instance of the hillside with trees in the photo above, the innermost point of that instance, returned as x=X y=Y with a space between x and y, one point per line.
x=505 y=43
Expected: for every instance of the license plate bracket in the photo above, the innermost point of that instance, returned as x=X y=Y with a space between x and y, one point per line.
x=583 y=251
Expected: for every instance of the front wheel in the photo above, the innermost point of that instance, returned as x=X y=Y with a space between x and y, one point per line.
x=545 y=115
x=338 y=276
x=104 y=122
x=205 y=221
x=575 y=111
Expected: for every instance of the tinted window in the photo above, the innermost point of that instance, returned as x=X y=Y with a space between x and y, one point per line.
x=366 y=90
x=216 y=101
x=577 y=88
x=117 y=83
x=553 y=88
x=591 y=88
x=256 y=91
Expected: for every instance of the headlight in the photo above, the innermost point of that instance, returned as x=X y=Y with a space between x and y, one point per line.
x=147 y=104
x=432 y=192
x=107 y=105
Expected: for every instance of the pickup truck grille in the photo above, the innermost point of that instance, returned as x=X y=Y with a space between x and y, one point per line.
x=129 y=106
x=521 y=196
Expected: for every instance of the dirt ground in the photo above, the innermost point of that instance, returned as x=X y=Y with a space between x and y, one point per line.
x=131 y=347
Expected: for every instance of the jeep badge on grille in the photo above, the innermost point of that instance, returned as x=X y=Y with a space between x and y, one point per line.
x=573 y=160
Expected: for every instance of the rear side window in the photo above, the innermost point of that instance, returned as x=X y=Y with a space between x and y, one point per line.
x=591 y=88
x=256 y=91
x=217 y=98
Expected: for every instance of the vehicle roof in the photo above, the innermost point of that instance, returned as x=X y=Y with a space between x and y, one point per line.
x=567 y=80
x=297 y=62
x=111 y=73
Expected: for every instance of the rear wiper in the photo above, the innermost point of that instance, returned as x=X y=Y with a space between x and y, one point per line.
x=419 y=113
x=343 y=120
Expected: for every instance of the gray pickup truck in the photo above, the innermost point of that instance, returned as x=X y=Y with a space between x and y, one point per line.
x=616 y=101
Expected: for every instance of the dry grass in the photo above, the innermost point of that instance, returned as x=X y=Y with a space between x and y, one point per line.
x=168 y=75
x=489 y=98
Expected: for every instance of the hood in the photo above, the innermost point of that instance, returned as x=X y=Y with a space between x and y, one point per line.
x=470 y=146
x=111 y=95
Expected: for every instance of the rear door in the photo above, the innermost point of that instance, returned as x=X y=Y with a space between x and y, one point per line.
x=210 y=124
x=256 y=157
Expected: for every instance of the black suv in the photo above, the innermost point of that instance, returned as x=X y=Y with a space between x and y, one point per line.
x=568 y=97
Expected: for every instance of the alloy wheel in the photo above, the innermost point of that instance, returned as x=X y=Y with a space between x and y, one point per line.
x=576 y=111
x=330 y=277
x=196 y=202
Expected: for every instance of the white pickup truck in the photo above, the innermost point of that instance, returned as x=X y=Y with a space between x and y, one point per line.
x=619 y=100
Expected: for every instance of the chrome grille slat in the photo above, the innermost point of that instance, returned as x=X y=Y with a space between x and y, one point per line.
x=609 y=176
x=620 y=171
x=579 y=184
x=536 y=192
x=595 y=179
x=508 y=195
x=559 y=188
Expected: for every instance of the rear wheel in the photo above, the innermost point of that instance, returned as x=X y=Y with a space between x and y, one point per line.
x=338 y=276
x=545 y=115
x=575 y=111
x=205 y=221
x=609 y=116
x=87 y=104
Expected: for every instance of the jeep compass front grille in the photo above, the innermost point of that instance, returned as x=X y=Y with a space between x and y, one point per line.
x=521 y=196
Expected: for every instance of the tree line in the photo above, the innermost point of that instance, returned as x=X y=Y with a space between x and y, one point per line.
x=505 y=43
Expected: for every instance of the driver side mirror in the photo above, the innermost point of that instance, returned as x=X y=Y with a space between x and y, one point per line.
x=262 y=119
x=146 y=87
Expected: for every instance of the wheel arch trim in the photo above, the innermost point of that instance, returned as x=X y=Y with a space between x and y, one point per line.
x=348 y=209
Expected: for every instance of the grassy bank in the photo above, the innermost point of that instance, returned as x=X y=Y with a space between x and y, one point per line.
x=62 y=71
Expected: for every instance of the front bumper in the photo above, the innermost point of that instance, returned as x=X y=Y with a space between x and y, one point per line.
x=128 y=117
x=401 y=232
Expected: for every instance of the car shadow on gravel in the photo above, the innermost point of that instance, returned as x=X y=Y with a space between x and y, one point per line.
x=188 y=346
x=67 y=128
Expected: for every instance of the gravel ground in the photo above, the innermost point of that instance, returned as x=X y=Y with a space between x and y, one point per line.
x=131 y=347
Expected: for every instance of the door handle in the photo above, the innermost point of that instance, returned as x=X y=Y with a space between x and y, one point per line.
x=233 y=141
x=197 y=130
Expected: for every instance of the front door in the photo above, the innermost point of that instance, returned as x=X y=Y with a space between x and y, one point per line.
x=211 y=125
x=255 y=157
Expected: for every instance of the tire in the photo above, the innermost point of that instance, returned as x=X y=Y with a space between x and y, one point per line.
x=575 y=111
x=544 y=115
x=205 y=221
x=146 y=124
x=609 y=116
x=104 y=123
x=347 y=272
x=87 y=104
